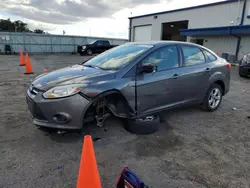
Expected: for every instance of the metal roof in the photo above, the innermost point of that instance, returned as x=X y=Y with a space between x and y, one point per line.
x=187 y=8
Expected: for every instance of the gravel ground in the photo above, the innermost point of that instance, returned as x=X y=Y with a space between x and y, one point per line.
x=193 y=148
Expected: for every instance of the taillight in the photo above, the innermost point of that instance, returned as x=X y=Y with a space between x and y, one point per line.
x=228 y=66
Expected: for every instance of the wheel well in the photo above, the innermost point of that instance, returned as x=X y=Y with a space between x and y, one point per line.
x=118 y=105
x=221 y=84
x=113 y=102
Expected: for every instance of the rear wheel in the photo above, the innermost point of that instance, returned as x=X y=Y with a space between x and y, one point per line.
x=213 y=98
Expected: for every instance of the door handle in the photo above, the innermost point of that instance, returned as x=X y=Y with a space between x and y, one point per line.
x=207 y=70
x=175 y=76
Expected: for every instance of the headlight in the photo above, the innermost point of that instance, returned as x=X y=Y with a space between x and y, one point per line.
x=62 y=91
x=83 y=47
x=243 y=62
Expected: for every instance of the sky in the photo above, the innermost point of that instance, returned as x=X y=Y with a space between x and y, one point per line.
x=103 y=18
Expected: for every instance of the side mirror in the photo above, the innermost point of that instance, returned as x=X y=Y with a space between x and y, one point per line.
x=148 y=68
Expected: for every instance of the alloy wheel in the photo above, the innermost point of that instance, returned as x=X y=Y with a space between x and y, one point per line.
x=214 y=98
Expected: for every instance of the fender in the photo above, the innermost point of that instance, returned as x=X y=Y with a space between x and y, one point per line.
x=217 y=76
x=114 y=100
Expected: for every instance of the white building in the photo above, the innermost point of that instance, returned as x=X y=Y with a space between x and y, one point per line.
x=224 y=27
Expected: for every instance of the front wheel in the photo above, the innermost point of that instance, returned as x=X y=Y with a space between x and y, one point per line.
x=89 y=52
x=240 y=74
x=145 y=125
x=213 y=98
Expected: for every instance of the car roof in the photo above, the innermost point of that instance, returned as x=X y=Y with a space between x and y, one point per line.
x=160 y=43
x=169 y=42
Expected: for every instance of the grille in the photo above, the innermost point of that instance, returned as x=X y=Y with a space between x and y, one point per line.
x=31 y=106
x=34 y=110
x=79 y=48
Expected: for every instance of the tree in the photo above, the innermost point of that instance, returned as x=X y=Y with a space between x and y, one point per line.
x=6 y=25
x=20 y=26
x=39 y=31
x=15 y=26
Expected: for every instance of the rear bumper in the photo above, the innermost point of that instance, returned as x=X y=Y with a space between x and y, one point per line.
x=64 y=113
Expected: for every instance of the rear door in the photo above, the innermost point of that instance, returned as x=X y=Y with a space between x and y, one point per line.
x=160 y=89
x=195 y=73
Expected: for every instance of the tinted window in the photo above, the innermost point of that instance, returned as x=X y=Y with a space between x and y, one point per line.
x=106 y=43
x=99 y=43
x=210 y=56
x=117 y=57
x=164 y=58
x=193 y=55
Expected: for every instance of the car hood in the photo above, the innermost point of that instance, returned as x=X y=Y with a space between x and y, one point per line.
x=77 y=74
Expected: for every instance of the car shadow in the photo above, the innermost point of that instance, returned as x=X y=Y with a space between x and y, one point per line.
x=112 y=127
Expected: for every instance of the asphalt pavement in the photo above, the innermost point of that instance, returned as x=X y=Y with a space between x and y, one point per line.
x=193 y=148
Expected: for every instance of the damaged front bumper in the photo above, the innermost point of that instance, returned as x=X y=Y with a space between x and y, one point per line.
x=62 y=113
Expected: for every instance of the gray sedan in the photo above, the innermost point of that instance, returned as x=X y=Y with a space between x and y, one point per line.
x=130 y=81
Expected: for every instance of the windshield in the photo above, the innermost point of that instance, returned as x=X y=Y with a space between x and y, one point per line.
x=246 y=58
x=92 y=42
x=117 y=57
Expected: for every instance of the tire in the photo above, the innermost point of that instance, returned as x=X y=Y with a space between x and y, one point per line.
x=143 y=125
x=210 y=96
x=240 y=74
x=81 y=54
x=89 y=52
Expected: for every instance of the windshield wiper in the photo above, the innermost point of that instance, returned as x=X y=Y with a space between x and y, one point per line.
x=98 y=67
x=88 y=66
x=102 y=68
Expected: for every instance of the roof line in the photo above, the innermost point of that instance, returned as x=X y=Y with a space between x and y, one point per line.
x=187 y=8
x=215 y=28
x=225 y=30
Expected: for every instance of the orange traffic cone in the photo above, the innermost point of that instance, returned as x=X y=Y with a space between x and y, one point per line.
x=88 y=176
x=28 y=65
x=22 y=61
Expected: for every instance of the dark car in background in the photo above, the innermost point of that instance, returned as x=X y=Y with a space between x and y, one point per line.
x=244 y=66
x=94 y=47
x=131 y=81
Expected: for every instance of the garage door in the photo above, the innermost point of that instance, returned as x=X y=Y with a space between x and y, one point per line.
x=142 y=33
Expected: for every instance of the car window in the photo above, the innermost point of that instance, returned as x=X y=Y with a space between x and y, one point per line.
x=210 y=56
x=99 y=43
x=117 y=57
x=93 y=42
x=193 y=55
x=164 y=58
x=106 y=43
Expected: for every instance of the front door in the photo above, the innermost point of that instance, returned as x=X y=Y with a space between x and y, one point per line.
x=99 y=47
x=160 y=89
